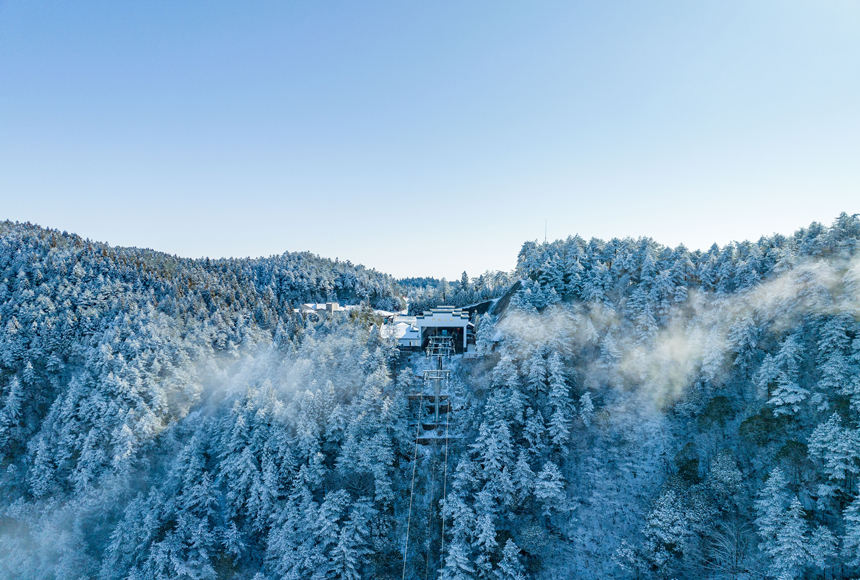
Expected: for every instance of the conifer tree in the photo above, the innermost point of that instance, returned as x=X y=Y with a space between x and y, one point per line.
x=838 y=449
x=10 y=413
x=524 y=477
x=534 y=432
x=484 y=335
x=506 y=376
x=832 y=361
x=851 y=539
x=510 y=567
x=457 y=564
x=559 y=397
x=822 y=547
x=549 y=488
x=789 y=552
x=485 y=533
x=783 y=373
x=586 y=408
x=770 y=508
x=537 y=374
x=743 y=339
x=667 y=531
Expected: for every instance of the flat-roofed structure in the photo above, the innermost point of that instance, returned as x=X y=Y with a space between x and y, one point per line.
x=445 y=321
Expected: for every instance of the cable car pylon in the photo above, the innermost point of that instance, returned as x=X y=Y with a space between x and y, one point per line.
x=437 y=380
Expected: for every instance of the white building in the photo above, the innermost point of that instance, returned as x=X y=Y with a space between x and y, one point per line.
x=327 y=308
x=445 y=321
x=406 y=334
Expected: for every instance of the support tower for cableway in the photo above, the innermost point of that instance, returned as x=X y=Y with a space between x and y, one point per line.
x=434 y=402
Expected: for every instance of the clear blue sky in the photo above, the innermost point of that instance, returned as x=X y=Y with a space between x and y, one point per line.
x=426 y=138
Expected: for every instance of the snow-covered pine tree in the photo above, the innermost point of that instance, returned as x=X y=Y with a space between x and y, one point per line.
x=510 y=567
x=851 y=538
x=523 y=477
x=485 y=544
x=789 y=553
x=457 y=564
x=780 y=377
x=351 y=549
x=484 y=335
x=832 y=361
x=559 y=398
x=770 y=508
x=537 y=374
x=586 y=408
x=534 y=432
x=549 y=488
x=838 y=448
x=506 y=378
x=10 y=413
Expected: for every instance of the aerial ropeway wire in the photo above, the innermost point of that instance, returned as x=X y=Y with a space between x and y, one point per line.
x=412 y=491
x=445 y=479
x=430 y=512
x=436 y=375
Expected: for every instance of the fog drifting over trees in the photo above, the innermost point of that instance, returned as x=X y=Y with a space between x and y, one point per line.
x=635 y=411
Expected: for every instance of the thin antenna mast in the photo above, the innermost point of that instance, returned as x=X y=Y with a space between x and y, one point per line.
x=544 y=231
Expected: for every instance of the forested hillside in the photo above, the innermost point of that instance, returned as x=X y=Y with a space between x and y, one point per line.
x=701 y=409
x=105 y=356
x=636 y=411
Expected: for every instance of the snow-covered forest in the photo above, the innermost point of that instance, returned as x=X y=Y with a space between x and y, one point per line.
x=634 y=411
x=426 y=293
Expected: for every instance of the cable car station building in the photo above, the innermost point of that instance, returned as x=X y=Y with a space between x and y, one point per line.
x=446 y=321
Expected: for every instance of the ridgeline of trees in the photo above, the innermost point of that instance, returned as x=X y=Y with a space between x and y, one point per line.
x=427 y=293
